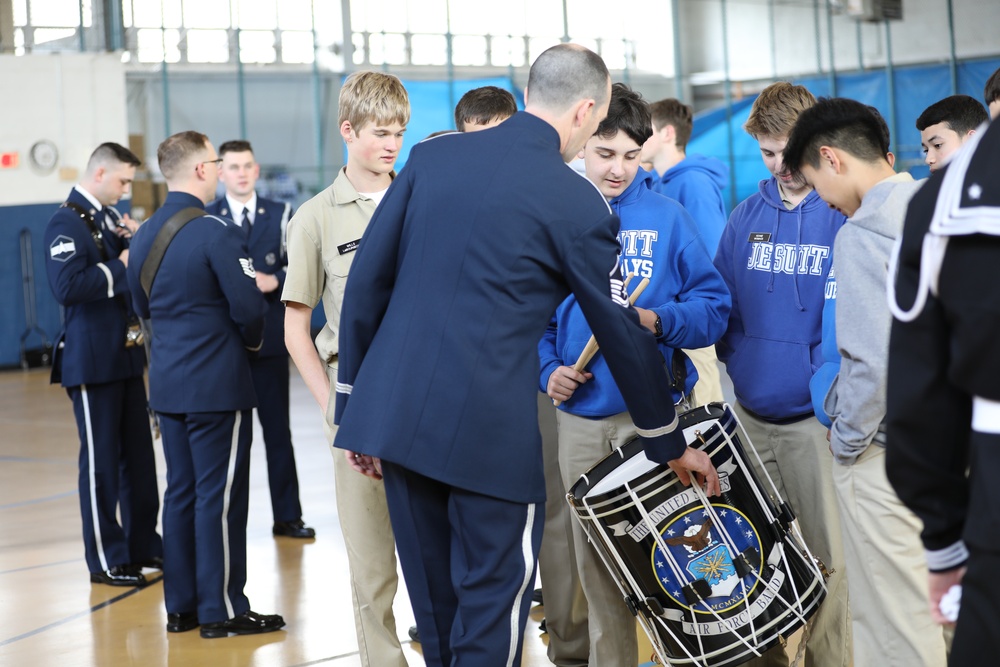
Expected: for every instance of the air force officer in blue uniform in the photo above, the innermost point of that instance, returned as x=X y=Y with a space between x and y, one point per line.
x=206 y=313
x=102 y=371
x=477 y=241
x=264 y=222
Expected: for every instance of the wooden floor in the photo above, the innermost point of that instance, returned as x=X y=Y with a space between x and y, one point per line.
x=52 y=616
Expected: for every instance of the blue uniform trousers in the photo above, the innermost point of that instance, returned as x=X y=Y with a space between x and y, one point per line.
x=205 y=513
x=270 y=382
x=469 y=564
x=117 y=467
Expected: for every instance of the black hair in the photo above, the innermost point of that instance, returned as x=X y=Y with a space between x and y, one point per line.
x=235 y=146
x=110 y=151
x=960 y=112
x=883 y=128
x=991 y=91
x=481 y=105
x=627 y=113
x=837 y=122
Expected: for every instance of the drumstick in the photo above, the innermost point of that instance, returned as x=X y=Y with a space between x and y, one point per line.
x=590 y=349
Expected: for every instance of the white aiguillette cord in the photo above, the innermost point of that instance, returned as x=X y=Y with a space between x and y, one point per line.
x=591 y=347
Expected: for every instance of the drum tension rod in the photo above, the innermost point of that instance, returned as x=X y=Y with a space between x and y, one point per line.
x=697 y=591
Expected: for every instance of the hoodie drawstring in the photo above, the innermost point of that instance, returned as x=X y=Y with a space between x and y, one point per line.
x=798 y=249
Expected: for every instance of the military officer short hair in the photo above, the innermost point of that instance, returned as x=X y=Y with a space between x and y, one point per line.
x=566 y=73
x=235 y=146
x=110 y=153
x=176 y=150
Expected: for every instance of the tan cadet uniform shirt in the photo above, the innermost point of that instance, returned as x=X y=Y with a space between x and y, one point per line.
x=323 y=237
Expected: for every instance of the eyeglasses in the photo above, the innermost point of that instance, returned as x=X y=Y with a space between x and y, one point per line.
x=216 y=161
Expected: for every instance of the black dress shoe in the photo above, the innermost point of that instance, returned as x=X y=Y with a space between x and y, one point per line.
x=119 y=575
x=182 y=622
x=536 y=596
x=293 y=529
x=414 y=635
x=247 y=623
x=154 y=563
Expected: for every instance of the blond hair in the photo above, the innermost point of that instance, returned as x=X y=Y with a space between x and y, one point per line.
x=177 y=150
x=776 y=109
x=373 y=97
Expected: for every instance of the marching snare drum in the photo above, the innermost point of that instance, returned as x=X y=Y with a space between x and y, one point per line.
x=713 y=581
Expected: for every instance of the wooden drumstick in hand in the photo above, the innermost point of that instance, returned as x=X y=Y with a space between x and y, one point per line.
x=590 y=349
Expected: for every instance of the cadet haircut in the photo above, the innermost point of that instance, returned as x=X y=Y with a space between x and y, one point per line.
x=991 y=91
x=177 y=150
x=373 y=97
x=235 y=146
x=837 y=122
x=481 y=105
x=627 y=113
x=565 y=74
x=673 y=112
x=111 y=153
x=961 y=113
x=776 y=109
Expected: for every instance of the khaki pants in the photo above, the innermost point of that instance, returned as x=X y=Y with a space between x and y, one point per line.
x=565 y=604
x=708 y=389
x=371 y=556
x=890 y=618
x=582 y=443
x=797 y=457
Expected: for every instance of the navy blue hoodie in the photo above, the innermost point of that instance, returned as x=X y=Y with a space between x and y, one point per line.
x=775 y=263
x=659 y=241
x=697 y=182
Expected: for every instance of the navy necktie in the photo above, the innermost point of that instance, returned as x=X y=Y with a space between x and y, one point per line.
x=246 y=221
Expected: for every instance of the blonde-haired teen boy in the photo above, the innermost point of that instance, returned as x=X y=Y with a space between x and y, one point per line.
x=322 y=239
x=775 y=255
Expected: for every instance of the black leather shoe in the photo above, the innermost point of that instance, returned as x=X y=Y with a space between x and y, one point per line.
x=248 y=623
x=414 y=635
x=119 y=575
x=182 y=622
x=154 y=563
x=293 y=529
x=536 y=596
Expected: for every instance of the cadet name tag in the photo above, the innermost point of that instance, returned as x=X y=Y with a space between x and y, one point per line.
x=350 y=246
x=759 y=237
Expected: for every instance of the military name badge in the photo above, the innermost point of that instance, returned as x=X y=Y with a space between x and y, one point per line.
x=270 y=259
x=62 y=248
x=759 y=237
x=350 y=246
x=247 y=265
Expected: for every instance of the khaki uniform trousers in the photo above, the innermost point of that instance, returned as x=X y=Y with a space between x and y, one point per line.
x=582 y=443
x=798 y=459
x=565 y=604
x=708 y=389
x=371 y=556
x=890 y=618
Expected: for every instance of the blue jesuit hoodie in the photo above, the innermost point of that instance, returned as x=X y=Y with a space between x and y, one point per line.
x=659 y=241
x=775 y=263
x=697 y=182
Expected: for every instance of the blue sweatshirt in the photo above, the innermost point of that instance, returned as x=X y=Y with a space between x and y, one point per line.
x=775 y=263
x=660 y=242
x=697 y=182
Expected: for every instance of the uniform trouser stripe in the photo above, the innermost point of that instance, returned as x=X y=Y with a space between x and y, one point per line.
x=230 y=474
x=92 y=476
x=529 y=570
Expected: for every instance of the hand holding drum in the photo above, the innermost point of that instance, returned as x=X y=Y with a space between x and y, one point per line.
x=698 y=462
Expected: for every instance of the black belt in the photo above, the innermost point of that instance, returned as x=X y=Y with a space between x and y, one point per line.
x=781 y=421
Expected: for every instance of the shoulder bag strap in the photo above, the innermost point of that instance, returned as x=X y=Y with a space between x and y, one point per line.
x=162 y=241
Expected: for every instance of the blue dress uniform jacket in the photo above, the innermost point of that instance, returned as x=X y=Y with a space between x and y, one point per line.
x=450 y=292
x=267 y=249
x=104 y=381
x=204 y=325
x=93 y=292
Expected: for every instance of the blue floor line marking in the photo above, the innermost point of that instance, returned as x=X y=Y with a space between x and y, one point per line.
x=55 y=624
x=35 y=501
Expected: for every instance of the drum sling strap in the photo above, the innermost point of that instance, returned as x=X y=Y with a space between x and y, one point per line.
x=162 y=241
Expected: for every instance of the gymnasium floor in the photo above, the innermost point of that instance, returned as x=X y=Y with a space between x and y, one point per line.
x=52 y=616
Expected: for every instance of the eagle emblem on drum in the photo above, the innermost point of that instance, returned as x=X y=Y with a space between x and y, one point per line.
x=702 y=547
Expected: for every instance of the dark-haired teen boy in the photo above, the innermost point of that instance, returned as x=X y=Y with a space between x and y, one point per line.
x=838 y=148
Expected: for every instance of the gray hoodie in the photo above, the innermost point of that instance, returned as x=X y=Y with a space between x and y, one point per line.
x=856 y=401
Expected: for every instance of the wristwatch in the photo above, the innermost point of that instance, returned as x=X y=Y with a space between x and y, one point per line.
x=658 y=325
